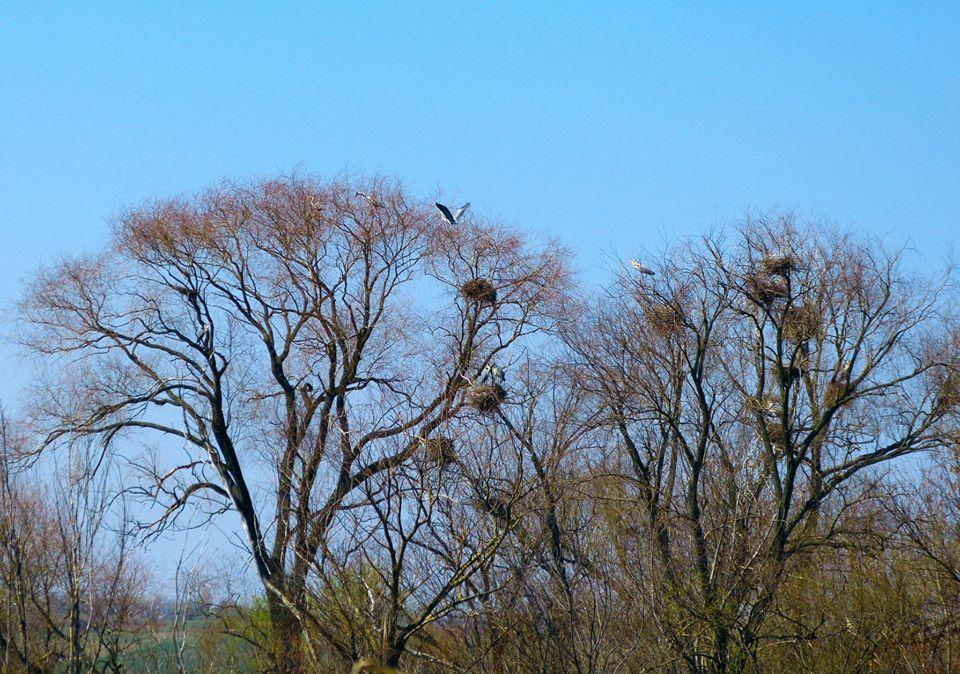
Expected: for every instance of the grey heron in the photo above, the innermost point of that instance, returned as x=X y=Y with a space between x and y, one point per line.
x=494 y=373
x=454 y=217
x=640 y=268
x=373 y=202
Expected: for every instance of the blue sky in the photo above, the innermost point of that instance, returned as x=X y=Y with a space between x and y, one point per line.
x=604 y=123
x=608 y=124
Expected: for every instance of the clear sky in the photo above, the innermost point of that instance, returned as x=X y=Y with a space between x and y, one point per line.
x=605 y=123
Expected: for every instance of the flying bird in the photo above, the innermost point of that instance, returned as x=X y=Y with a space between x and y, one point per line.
x=640 y=268
x=452 y=218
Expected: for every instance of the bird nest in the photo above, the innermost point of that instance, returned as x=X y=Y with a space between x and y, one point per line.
x=664 y=319
x=780 y=265
x=775 y=434
x=766 y=289
x=834 y=392
x=762 y=404
x=486 y=398
x=440 y=451
x=948 y=393
x=479 y=290
x=496 y=505
x=790 y=373
x=802 y=323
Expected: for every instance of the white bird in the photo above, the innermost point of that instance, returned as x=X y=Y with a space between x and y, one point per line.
x=452 y=218
x=204 y=330
x=640 y=268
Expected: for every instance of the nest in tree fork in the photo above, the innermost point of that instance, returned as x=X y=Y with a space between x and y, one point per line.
x=780 y=265
x=440 y=451
x=487 y=397
x=765 y=288
x=479 y=290
x=834 y=392
x=775 y=434
x=790 y=374
x=496 y=505
x=765 y=404
x=948 y=393
x=664 y=319
x=802 y=323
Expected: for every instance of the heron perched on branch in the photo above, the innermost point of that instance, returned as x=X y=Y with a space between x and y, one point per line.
x=373 y=202
x=640 y=268
x=493 y=373
x=454 y=217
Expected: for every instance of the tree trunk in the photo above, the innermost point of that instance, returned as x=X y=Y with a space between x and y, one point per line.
x=285 y=634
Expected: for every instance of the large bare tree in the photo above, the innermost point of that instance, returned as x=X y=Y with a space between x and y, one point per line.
x=294 y=341
x=753 y=390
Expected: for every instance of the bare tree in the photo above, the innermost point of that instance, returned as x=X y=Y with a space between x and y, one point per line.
x=753 y=388
x=413 y=556
x=442 y=459
x=297 y=339
x=569 y=607
x=72 y=588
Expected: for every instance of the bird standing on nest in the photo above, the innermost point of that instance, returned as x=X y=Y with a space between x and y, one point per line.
x=493 y=373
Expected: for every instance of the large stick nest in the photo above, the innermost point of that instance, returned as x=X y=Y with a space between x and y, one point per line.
x=664 y=319
x=834 y=392
x=790 y=373
x=766 y=404
x=948 y=393
x=775 y=434
x=780 y=265
x=495 y=505
x=479 y=290
x=486 y=398
x=440 y=451
x=802 y=323
x=766 y=289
